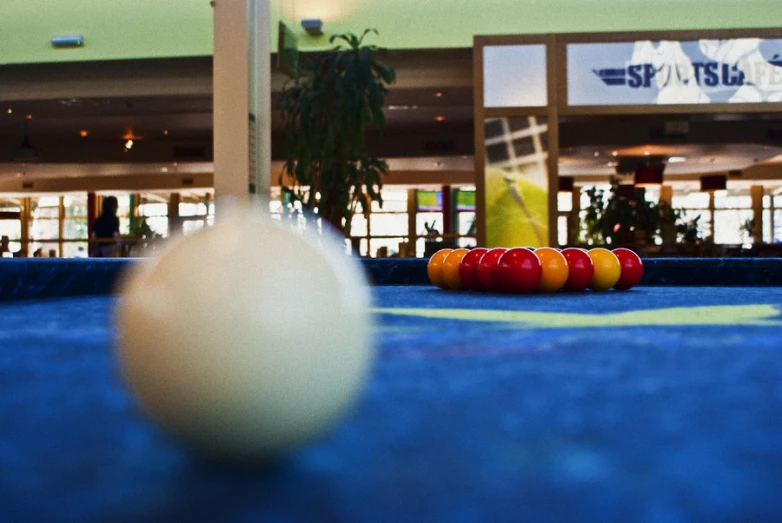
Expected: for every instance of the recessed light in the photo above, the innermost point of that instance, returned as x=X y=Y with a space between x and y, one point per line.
x=164 y=169
x=9 y=111
x=28 y=116
x=438 y=94
x=175 y=164
x=83 y=133
x=615 y=153
x=440 y=118
x=677 y=159
x=165 y=131
x=647 y=153
x=597 y=153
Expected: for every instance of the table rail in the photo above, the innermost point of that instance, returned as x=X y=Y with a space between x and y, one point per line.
x=37 y=278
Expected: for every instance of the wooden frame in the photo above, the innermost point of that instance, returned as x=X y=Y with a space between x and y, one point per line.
x=556 y=82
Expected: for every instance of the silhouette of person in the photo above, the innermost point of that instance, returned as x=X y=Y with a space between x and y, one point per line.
x=106 y=228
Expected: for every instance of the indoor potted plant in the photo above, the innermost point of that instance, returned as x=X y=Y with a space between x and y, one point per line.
x=328 y=110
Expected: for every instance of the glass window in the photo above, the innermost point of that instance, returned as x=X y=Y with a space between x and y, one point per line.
x=153 y=209
x=388 y=224
x=394 y=200
x=75 y=229
x=159 y=225
x=777 y=226
x=704 y=223
x=193 y=209
x=434 y=219
x=384 y=247
x=10 y=204
x=729 y=227
x=767 y=232
x=75 y=206
x=465 y=223
x=514 y=75
x=692 y=200
x=564 y=202
x=724 y=200
x=75 y=249
x=358 y=225
x=562 y=230
x=191 y=226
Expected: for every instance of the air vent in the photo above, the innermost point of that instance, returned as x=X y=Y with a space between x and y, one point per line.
x=439 y=146
x=676 y=128
x=774 y=134
x=190 y=153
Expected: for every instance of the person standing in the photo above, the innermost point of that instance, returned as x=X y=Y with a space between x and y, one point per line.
x=106 y=228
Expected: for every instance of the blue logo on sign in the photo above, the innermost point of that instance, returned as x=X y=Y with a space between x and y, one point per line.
x=707 y=74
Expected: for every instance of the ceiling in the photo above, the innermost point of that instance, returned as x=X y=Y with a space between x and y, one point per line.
x=79 y=117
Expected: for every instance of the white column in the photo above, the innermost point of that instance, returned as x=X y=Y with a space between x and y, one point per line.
x=242 y=99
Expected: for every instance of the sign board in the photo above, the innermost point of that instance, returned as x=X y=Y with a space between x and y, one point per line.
x=645 y=72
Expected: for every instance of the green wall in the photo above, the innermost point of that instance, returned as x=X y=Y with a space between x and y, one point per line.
x=121 y=29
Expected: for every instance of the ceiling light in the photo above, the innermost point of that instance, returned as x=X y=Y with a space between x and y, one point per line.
x=9 y=111
x=677 y=159
x=649 y=176
x=597 y=153
x=440 y=118
x=565 y=184
x=165 y=131
x=164 y=169
x=438 y=94
x=28 y=116
x=83 y=133
x=615 y=153
x=714 y=182
x=128 y=145
x=647 y=153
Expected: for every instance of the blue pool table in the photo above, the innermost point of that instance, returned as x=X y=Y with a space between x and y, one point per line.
x=662 y=403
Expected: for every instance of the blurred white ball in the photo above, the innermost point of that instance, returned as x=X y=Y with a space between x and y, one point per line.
x=248 y=338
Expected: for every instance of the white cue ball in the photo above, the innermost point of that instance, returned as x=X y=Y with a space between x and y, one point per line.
x=246 y=339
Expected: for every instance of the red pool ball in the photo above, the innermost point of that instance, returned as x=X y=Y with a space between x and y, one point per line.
x=468 y=269
x=580 y=269
x=487 y=269
x=519 y=271
x=632 y=269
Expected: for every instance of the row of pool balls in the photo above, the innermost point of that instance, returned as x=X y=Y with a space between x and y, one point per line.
x=522 y=270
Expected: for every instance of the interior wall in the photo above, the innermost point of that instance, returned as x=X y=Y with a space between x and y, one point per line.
x=125 y=29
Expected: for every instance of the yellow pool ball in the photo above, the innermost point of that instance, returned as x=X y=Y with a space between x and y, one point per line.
x=451 y=269
x=607 y=269
x=434 y=269
x=555 y=269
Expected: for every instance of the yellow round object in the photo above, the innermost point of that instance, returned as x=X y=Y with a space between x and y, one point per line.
x=434 y=269
x=451 y=269
x=555 y=269
x=607 y=269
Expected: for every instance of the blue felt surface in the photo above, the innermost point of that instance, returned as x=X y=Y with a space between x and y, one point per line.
x=460 y=421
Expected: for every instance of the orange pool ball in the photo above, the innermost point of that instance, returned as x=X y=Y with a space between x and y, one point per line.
x=434 y=269
x=451 y=269
x=607 y=269
x=555 y=269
